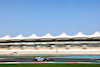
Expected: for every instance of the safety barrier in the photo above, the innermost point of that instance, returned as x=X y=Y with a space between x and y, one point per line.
x=49 y=62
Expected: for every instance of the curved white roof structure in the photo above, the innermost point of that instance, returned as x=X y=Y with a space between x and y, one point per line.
x=80 y=35
x=7 y=37
x=63 y=36
x=48 y=36
x=18 y=38
x=32 y=37
x=96 y=35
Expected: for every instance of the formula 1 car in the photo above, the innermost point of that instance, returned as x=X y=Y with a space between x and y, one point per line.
x=39 y=59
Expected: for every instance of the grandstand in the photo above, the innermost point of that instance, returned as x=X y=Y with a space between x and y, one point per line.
x=63 y=44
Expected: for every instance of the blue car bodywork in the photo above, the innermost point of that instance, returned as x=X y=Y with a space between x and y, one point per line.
x=41 y=59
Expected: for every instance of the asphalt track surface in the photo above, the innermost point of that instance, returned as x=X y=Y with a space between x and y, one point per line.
x=55 y=60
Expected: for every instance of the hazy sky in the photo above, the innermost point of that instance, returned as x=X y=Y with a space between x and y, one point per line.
x=49 y=16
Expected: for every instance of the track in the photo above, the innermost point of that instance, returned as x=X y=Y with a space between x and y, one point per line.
x=55 y=60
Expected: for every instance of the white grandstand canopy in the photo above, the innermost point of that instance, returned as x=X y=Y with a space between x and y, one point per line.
x=48 y=36
x=63 y=36
x=96 y=35
x=5 y=38
x=18 y=38
x=32 y=37
x=80 y=35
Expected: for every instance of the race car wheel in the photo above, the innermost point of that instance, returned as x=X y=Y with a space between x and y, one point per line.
x=35 y=59
x=51 y=59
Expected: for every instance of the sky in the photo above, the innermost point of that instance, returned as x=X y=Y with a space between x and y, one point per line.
x=40 y=17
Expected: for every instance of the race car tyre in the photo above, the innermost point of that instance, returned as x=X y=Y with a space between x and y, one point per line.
x=51 y=59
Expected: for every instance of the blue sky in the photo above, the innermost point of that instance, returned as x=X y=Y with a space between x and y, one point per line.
x=49 y=16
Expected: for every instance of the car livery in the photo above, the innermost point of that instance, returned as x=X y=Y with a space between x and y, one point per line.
x=42 y=59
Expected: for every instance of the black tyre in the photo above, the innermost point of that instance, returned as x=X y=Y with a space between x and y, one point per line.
x=51 y=59
x=34 y=59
